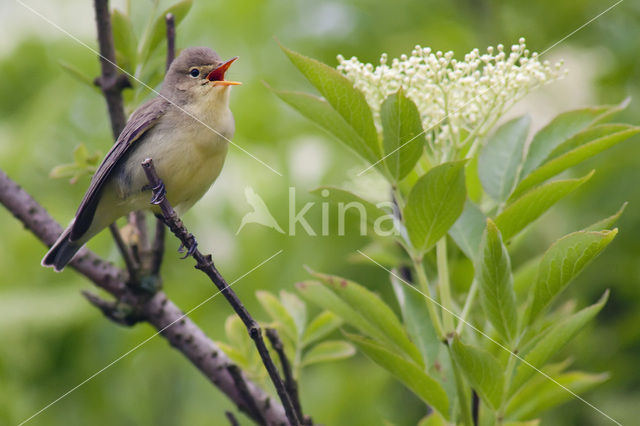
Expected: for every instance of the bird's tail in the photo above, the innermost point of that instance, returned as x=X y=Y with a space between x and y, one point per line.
x=62 y=251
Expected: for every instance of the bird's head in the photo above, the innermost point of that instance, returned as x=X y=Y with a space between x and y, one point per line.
x=196 y=76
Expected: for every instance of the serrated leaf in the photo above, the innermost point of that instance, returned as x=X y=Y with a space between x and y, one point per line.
x=554 y=339
x=564 y=260
x=468 y=229
x=403 y=139
x=321 y=326
x=607 y=222
x=482 y=370
x=575 y=150
x=374 y=310
x=561 y=128
x=339 y=92
x=278 y=313
x=544 y=394
x=533 y=204
x=339 y=196
x=409 y=373
x=417 y=321
x=331 y=350
x=493 y=272
x=501 y=158
x=124 y=40
x=322 y=114
x=157 y=32
x=435 y=203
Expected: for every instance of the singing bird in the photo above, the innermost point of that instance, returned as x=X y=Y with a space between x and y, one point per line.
x=185 y=130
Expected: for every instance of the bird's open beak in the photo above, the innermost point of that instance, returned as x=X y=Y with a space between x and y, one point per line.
x=217 y=75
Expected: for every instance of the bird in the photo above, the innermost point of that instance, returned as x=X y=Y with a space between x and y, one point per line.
x=185 y=130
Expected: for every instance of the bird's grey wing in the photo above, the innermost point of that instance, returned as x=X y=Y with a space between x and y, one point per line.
x=142 y=120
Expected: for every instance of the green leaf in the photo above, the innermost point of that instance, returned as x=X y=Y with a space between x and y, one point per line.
x=501 y=158
x=416 y=320
x=403 y=139
x=74 y=72
x=296 y=308
x=331 y=350
x=321 y=326
x=409 y=373
x=374 y=310
x=545 y=394
x=158 y=30
x=321 y=113
x=472 y=180
x=434 y=204
x=468 y=229
x=533 y=204
x=352 y=202
x=432 y=419
x=237 y=334
x=278 y=313
x=565 y=259
x=124 y=40
x=525 y=277
x=339 y=92
x=607 y=222
x=495 y=280
x=482 y=370
x=317 y=293
x=554 y=339
x=577 y=149
x=561 y=128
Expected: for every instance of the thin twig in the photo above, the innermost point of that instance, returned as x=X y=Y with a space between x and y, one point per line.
x=132 y=266
x=171 y=38
x=241 y=384
x=112 y=82
x=232 y=418
x=156 y=309
x=205 y=264
x=289 y=381
x=157 y=249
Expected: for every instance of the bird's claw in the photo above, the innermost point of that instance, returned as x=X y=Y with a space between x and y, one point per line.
x=159 y=193
x=191 y=250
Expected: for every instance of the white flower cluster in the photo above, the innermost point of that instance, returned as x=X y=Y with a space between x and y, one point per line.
x=458 y=101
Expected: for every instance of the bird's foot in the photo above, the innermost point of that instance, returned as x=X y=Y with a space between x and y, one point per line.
x=159 y=193
x=192 y=249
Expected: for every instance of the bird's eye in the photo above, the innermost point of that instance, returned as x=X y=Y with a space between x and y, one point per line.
x=194 y=72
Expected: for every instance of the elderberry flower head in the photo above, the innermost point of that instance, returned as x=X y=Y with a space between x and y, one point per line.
x=459 y=101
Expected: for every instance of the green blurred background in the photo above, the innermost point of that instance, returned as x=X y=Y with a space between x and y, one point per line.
x=51 y=339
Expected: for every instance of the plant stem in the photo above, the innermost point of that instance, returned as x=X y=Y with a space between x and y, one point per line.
x=444 y=286
x=461 y=388
x=473 y=290
x=431 y=305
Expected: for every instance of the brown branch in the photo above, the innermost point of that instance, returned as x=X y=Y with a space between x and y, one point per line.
x=289 y=381
x=111 y=81
x=205 y=264
x=157 y=249
x=171 y=38
x=232 y=418
x=156 y=309
x=241 y=385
